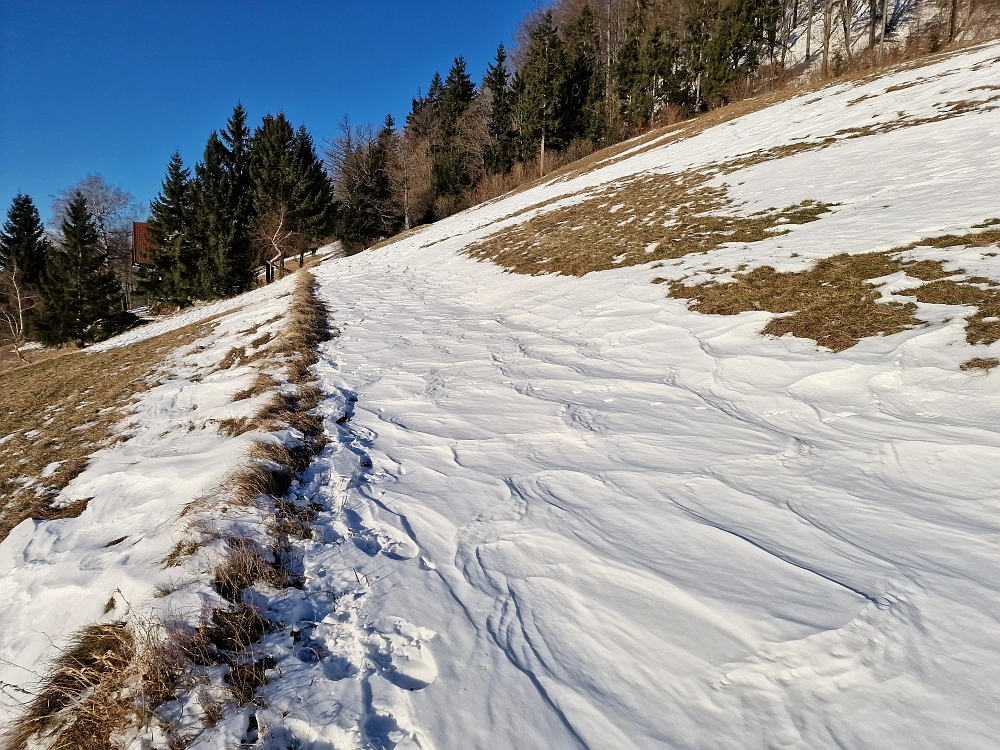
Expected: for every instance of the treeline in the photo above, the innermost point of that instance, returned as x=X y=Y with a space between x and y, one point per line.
x=253 y=200
x=582 y=77
x=61 y=290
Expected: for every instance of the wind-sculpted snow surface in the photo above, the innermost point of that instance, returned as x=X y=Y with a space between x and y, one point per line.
x=568 y=513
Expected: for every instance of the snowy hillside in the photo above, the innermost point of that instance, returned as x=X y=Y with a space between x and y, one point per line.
x=563 y=511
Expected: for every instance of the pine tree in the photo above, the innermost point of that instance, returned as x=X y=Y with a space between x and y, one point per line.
x=540 y=88
x=500 y=153
x=23 y=246
x=83 y=299
x=582 y=93
x=172 y=274
x=224 y=210
x=451 y=159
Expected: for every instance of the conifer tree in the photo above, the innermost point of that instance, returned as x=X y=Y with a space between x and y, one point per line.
x=582 y=92
x=83 y=298
x=313 y=195
x=172 y=274
x=211 y=209
x=23 y=246
x=291 y=194
x=238 y=271
x=540 y=87
x=500 y=153
x=224 y=210
x=451 y=158
x=24 y=251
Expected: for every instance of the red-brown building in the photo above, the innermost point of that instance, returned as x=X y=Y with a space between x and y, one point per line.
x=140 y=243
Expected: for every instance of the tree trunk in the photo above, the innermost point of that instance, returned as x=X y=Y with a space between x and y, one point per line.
x=873 y=12
x=845 y=16
x=809 y=28
x=885 y=26
x=541 y=156
x=827 y=32
x=953 y=20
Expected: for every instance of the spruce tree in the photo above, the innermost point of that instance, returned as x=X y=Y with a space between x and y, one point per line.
x=23 y=246
x=451 y=157
x=83 y=298
x=500 y=153
x=540 y=89
x=224 y=211
x=172 y=274
x=313 y=195
x=582 y=93
x=239 y=270
x=289 y=185
x=211 y=212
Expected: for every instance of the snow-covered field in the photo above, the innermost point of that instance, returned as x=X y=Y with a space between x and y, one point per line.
x=571 y=513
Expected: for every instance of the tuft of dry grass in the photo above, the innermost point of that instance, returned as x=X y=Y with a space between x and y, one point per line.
x=80 y=704
x=980 y=364
x=243 y=567
x=261 y=384
x=234 y=356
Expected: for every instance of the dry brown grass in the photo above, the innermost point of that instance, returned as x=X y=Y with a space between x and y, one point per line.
x=831 y=302
x=262 y=384
x=80 y=704
x=834 y=304
x=651 y=217
x=244 y=566
x=61 y=410
x=979 y=364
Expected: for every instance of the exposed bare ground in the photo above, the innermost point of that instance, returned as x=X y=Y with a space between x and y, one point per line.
x=834 y=303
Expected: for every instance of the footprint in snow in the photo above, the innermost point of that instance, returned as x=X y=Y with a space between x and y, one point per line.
x=400 y=649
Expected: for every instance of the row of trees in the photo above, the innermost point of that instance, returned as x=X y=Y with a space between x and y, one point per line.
x=60 y=291
x=582 y=77
x=253 y=200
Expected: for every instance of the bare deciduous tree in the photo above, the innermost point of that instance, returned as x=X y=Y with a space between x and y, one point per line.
x=277 y=240
x=15 y=303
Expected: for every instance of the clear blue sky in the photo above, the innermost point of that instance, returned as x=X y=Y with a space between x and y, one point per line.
x=114 y=87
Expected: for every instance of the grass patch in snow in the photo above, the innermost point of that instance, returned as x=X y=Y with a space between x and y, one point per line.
x=79 y=704
x=834 y=303
x=980 y=364
x=56 y=413
x=650 y=217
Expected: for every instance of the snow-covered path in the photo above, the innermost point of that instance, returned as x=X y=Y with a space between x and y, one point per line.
x=632 y=535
